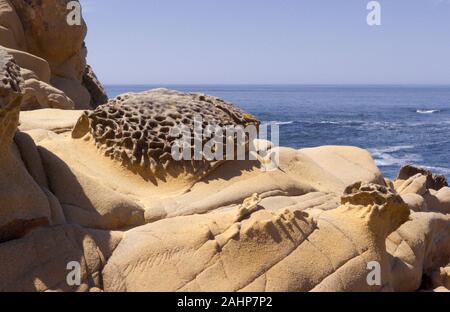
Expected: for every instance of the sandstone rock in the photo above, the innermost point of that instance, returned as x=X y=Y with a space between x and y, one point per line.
x=40 y=19
x=414 y=185
x=38 y=95
x=56 y=57
x=224 y=187
x=418 y=248
x=136 y=129
x=443 y=197
x=37 y=65
x=435 y=182
x=313 y=200
x=95 y=88
x=55 y=120
x=11 y=30
x=39 y=261
x=74 y=90
x=415 y=202
x=266 y=251
x=23 y=205
x=85 y=201
x=441 y=278
x=438 y=201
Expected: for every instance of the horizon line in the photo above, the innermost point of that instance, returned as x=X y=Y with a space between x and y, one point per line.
x=283 y=84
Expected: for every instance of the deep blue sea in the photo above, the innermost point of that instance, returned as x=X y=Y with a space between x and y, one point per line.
x=398 y=124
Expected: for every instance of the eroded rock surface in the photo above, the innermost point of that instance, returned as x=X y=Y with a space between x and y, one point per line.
x=23 y=205
x=252 y=249
x=56 y=60
x=138 y=129
x=315 y=223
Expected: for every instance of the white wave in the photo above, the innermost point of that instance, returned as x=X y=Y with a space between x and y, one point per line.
x=429 y=111
x=325 y=122
x=390 y=149
x=437 y=170
x=383 y=157
x=278 y=123
x=387 y=160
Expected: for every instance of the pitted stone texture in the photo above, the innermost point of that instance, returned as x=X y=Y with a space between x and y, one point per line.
x=434 y=182
x=10 y=94
x=137 y=129
x=380 y=201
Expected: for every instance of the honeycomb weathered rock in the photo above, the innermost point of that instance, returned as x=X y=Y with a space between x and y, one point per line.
x=136 y=128
x=10 y=95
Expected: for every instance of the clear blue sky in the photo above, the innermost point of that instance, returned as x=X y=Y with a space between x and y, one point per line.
x=268 y=42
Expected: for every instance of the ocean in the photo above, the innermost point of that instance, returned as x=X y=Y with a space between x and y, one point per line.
x=399 y=125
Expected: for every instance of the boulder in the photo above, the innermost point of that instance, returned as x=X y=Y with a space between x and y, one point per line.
x=56 y=57
x=95 y=87
x=434 y=182
x=251 y=249
x=416 y=184
x=23 y=205
x=40 y=19
x=11 y=31
x=54 y=120
x=418 y=248
x=39 y=95
x=39 y=261
x=415 y=202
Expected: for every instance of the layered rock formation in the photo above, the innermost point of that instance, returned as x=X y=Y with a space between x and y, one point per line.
x=100 y=190
x=316 y=223
x=53 y=63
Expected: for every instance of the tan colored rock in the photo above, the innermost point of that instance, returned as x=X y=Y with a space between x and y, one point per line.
x=418 y=248
x=438 y=201
x=38 y=95
x=434 y=182
x=442 y=290
x=222 y=188
x=415 y=185
x=23 y=205
x=441 y=278
x=343 y=164
x=55 y=120
x=40 y=19
x=39 y=261
x=85 y=201
x=266 y=251
x=11 y=31
x=37 y=65
x=443 y=196
x=415 y=202
x=74 y=90
x=56 y=57
x=313 y=200
x=95 y=87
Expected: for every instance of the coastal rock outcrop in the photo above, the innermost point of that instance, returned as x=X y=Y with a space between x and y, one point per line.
x=100 y=192
x=251 y=249
x=140 y=130
x=42 y=260
x=434 y=182
x=23 y=205
x=237 y=228
x=95 y=87
x=56 y=59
